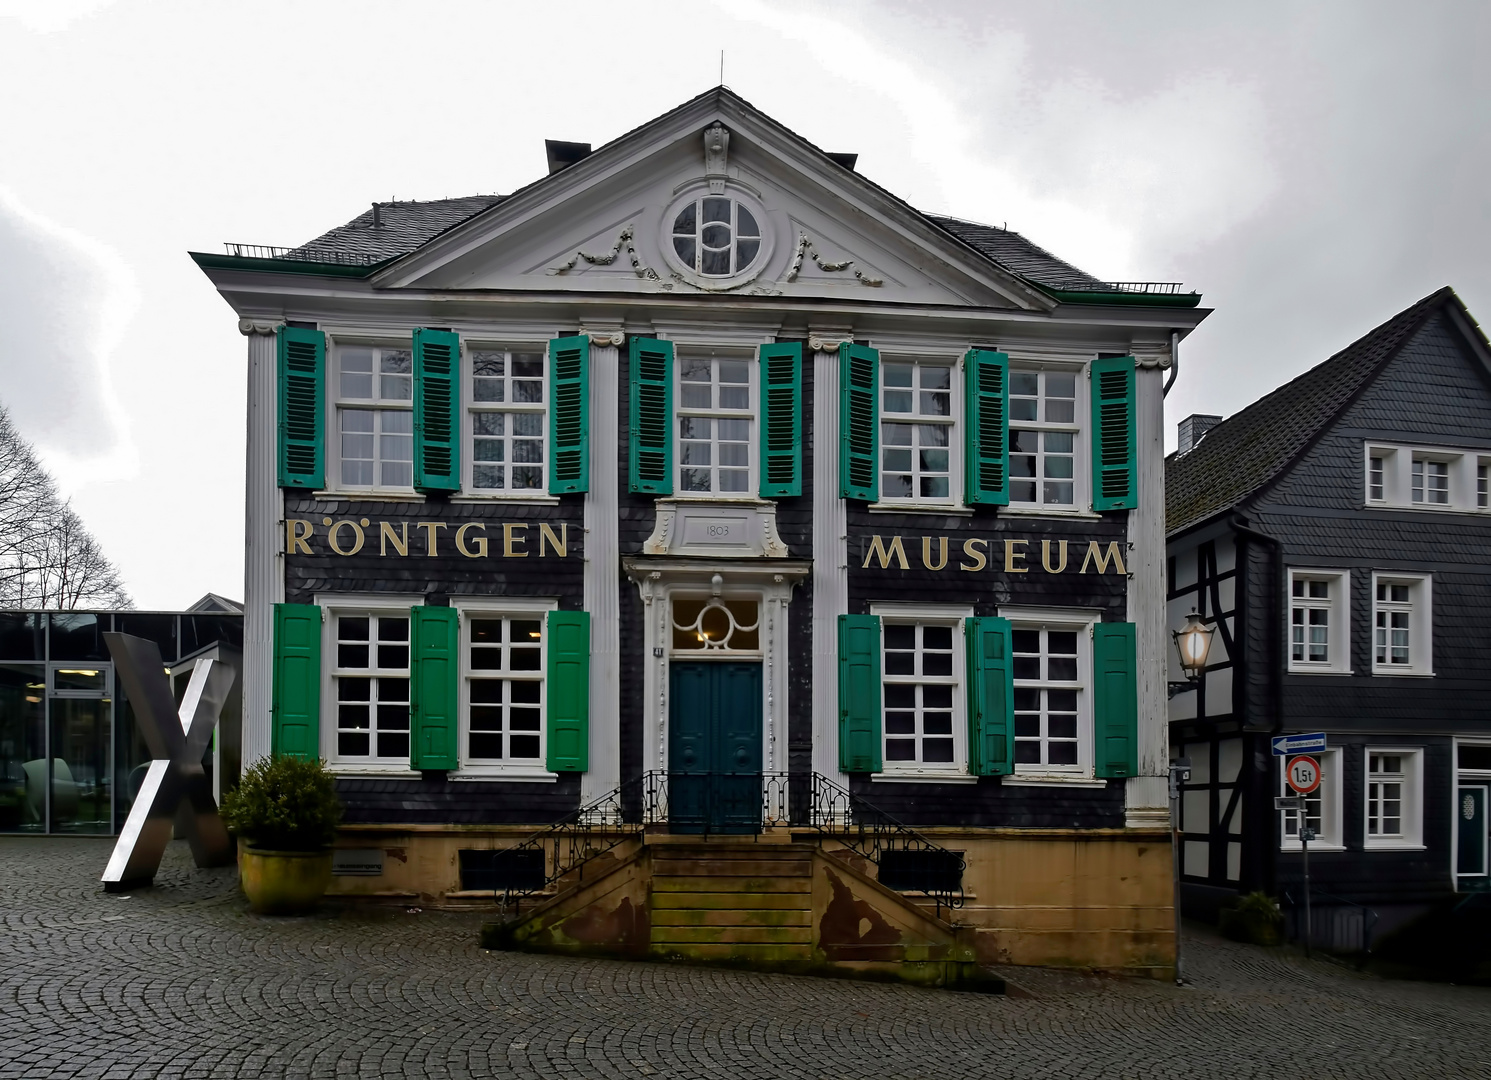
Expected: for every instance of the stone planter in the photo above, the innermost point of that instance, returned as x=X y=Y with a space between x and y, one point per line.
x=283 y=882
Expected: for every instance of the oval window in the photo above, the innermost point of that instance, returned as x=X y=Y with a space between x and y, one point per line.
x=716 y=236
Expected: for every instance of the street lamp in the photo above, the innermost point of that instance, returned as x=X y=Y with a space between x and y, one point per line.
x=1193 y=641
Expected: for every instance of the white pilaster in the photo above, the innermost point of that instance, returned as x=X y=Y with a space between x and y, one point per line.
x=830 y=560
x=603 y=572
x=263 y=560
x=1146 y=796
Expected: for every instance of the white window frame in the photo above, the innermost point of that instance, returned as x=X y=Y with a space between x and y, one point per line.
x=335 y=403
x=1331 y=836
x=1398 y=462
x=955 y=771
x=1412 y=836
x=954 y=424
x=750 y=356
x=469 y=490
x=1420 y=623
x=333 y=605
x=1064 y=619
x=1338 y=627
x=501 y=607
x=1080 y=427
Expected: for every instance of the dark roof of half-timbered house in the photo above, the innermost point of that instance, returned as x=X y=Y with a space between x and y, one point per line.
x=1245 y=452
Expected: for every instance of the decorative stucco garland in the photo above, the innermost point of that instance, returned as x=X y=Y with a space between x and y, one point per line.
x=622 y=240
x=804 y=246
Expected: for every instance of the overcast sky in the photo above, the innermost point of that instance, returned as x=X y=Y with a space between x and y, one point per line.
x=1312 y=168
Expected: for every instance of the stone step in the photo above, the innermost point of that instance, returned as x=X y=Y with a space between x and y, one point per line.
x=731 y=917
x=737 y=885
x=779 y=901
x=671 y=867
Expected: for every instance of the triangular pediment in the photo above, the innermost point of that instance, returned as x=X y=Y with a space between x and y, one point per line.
x=682 y=207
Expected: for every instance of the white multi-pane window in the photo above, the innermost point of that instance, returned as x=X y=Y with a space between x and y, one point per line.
x=1048 y=686
x=1431 y=481
x=917 y=438
x=1322 y=810
x=370 y=687
x=1441 y=479
x=504 y=688
x=374 y=414
x=1393 y=798
x=716 y=425
x=507 y=421
x=1043 y=438
x=1318 y=621
x=921 y=675
x=1394 y=614
x=1402 y=631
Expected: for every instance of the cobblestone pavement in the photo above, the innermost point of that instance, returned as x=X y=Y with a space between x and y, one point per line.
x=182 y=981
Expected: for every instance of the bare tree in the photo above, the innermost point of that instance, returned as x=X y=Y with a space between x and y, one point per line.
x=48 y=559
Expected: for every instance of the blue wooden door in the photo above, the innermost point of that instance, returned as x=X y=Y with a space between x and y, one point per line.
x=714 y=747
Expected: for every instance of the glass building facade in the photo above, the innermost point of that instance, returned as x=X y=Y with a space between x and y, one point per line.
x=71 y=759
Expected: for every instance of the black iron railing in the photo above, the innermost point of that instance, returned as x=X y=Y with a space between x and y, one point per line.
x=312 y=255
x=744 y=803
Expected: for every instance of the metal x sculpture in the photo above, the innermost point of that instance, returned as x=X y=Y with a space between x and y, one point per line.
x=177 y=739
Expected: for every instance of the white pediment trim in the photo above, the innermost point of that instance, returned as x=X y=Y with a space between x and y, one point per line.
x=821 y=183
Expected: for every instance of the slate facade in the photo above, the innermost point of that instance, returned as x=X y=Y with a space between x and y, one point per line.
x=1345 y=606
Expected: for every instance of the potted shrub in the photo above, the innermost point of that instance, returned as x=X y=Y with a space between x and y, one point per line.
x=1254 y=918
x=285 y=813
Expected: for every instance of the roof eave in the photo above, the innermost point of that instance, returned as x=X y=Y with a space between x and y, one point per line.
x=284 y=266
x=1123 y=299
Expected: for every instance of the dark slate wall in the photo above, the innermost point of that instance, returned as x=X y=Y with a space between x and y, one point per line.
x=795 y=525
x=1433 y=393
x=437 y=799
x=989 y=802
x=447 y=572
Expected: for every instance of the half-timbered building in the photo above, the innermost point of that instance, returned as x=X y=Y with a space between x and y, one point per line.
x=1335 y=533
x=702 y=501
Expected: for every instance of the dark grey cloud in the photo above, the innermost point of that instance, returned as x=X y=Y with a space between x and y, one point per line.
x=62 y=306
x=1354 y=183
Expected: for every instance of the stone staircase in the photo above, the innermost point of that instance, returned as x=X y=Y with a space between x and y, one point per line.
x=775 y=901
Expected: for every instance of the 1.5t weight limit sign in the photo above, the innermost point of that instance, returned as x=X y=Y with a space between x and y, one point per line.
x=1303 y=774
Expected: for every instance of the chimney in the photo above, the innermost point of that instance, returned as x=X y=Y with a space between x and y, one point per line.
x=377 y=215
x=562 y=155
x=1190 y=430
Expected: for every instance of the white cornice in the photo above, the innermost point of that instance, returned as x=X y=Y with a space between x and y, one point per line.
x=249 y=327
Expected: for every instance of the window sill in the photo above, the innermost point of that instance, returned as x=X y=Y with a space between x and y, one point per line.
x=1315 y=845
x=733 y=499
x=1397 y=845
x=1049 y=511
x=1425 y=508
x=1320 y=671
x=512 y=500
x=479 y=773
x=923 y=778
x=1390 y=673
x=931 y=509
x=398 y=772
x=1051 y=780
x=369 y=495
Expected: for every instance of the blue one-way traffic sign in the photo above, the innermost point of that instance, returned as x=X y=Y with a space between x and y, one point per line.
x=1285 y=745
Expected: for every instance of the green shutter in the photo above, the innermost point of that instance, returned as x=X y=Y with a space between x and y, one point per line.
x=781 y=423
x=437 y=411
x=302 y=408
x=567 y=686
x=859 y=427
x=1115 y=471
x=859 y=693
x=986 y=406
x=1115 y=699
x=295 y=706
x=569 y=415
x=651 y=466
x=991 y=697
x=434 y=686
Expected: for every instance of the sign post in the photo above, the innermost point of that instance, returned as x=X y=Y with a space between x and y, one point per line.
x=1180 y=771
x=1302 y=773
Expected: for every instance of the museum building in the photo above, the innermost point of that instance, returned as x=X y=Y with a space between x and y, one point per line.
x=1333 y=535
x=703 y=501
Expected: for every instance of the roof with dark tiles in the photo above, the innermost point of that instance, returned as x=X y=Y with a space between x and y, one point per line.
x=1247 y=451
x=1013 y=252
x=402 y=227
